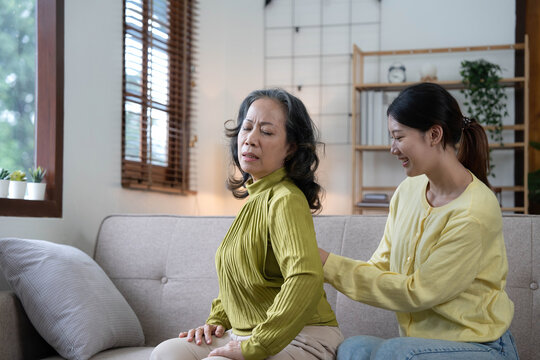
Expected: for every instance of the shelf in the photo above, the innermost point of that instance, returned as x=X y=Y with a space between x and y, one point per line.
x=519 y=46
x=507 y=146
x=378 y=188
x=393 y=188
x=516 y=127
x=519 y=147
x=373 y=147
x=377 y=206
x=368 y=206
x=494 y=146
x=452 y=84
x=514 y=209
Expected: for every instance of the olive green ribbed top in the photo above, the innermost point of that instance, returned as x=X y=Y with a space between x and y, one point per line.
x=269 y=270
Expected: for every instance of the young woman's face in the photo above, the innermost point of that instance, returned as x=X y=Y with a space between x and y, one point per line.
x=262 y=140
x=411 y=147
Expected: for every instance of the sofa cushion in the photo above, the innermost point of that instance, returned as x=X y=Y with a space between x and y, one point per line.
x=126 y=353
x=68 y=298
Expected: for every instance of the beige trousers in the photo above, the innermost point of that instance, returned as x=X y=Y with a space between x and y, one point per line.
x=313 y=343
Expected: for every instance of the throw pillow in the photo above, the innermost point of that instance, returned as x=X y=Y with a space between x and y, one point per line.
x=68 y=298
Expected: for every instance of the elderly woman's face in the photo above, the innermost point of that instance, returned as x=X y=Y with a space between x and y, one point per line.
x=262 y=140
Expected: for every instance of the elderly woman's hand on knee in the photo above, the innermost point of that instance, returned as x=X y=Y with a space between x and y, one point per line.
x=232 y=350
x=206 y=331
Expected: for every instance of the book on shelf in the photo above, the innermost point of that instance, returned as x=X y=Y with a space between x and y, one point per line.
x=364 y=119
x=379 y=124
x=369 y=124
x=373 y=123
x=375 y=198
x=372 y=204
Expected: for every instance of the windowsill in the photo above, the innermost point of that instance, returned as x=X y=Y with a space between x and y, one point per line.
x=30 y=208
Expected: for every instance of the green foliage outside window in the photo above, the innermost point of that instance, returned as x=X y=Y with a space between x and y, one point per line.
x=17 y=83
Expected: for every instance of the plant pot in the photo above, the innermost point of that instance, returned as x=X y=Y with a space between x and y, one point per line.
x=17 y=189
x=4 y=188
x=35 y=191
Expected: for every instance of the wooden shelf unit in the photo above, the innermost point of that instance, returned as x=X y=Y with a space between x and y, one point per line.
x=358 y=188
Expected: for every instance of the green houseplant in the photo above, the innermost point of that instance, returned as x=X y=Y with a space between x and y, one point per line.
x=17 y=184
x=4 y=182
x=35 y=187
x=485 y=99
x=534 y=184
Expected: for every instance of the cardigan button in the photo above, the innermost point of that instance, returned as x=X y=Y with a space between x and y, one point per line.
x=533 y=285
x=164 y=280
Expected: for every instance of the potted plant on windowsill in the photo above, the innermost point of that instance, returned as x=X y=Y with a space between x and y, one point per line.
x=17 y=184
x=36 y=188
x=4 y=183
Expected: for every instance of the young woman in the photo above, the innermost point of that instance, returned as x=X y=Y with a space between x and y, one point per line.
x=271 y=301
x=441 y=264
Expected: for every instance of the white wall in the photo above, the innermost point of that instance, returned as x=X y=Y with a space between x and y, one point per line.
x=230 y=65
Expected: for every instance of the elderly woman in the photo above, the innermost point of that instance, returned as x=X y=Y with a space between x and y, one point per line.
x=271 y=301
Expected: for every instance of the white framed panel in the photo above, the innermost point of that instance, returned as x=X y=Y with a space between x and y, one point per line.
x=365 y=36
x=365 y=11
x=336 y=70
x=335 y=129
x=335 y=99
x=311 y=97
x=336 y=12
x=279 y=14
x=307 y=41
x=278 y=42
x=336 y=40
x=278 y=72
x=307 y=13
x=307 y=70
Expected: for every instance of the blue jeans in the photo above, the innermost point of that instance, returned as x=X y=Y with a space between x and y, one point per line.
x=407 y=348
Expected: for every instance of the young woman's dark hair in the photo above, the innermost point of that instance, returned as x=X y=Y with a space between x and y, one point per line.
x=423 y=105
x=301 y=132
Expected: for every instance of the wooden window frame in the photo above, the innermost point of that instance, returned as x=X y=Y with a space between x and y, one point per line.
x=143 y=175
x=50 y=113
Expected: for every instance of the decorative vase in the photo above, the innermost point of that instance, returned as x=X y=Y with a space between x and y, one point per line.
x=36 y=191
x=17 y=189
x=4 y=188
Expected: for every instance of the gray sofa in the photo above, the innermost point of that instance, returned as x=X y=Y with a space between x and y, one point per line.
x=164 y=267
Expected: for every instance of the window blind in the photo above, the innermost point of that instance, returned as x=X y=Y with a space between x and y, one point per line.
x=158 y=59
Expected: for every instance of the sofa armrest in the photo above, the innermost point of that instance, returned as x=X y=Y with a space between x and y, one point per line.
x=18 y=338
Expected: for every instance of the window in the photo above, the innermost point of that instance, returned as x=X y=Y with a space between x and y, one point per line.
x=158 y=54
x=17 y=83
x=49 y=97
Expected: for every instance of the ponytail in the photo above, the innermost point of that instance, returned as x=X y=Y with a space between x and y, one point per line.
x=473 y=149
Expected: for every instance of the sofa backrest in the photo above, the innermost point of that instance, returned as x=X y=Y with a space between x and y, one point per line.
x=164 y=266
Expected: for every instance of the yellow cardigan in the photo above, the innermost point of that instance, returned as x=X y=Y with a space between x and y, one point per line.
x=442 y=270
x=269 y=270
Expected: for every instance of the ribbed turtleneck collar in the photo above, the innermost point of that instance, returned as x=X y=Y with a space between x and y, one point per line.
x=266 y=182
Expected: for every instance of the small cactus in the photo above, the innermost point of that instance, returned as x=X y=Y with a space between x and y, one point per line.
x=37 y=174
